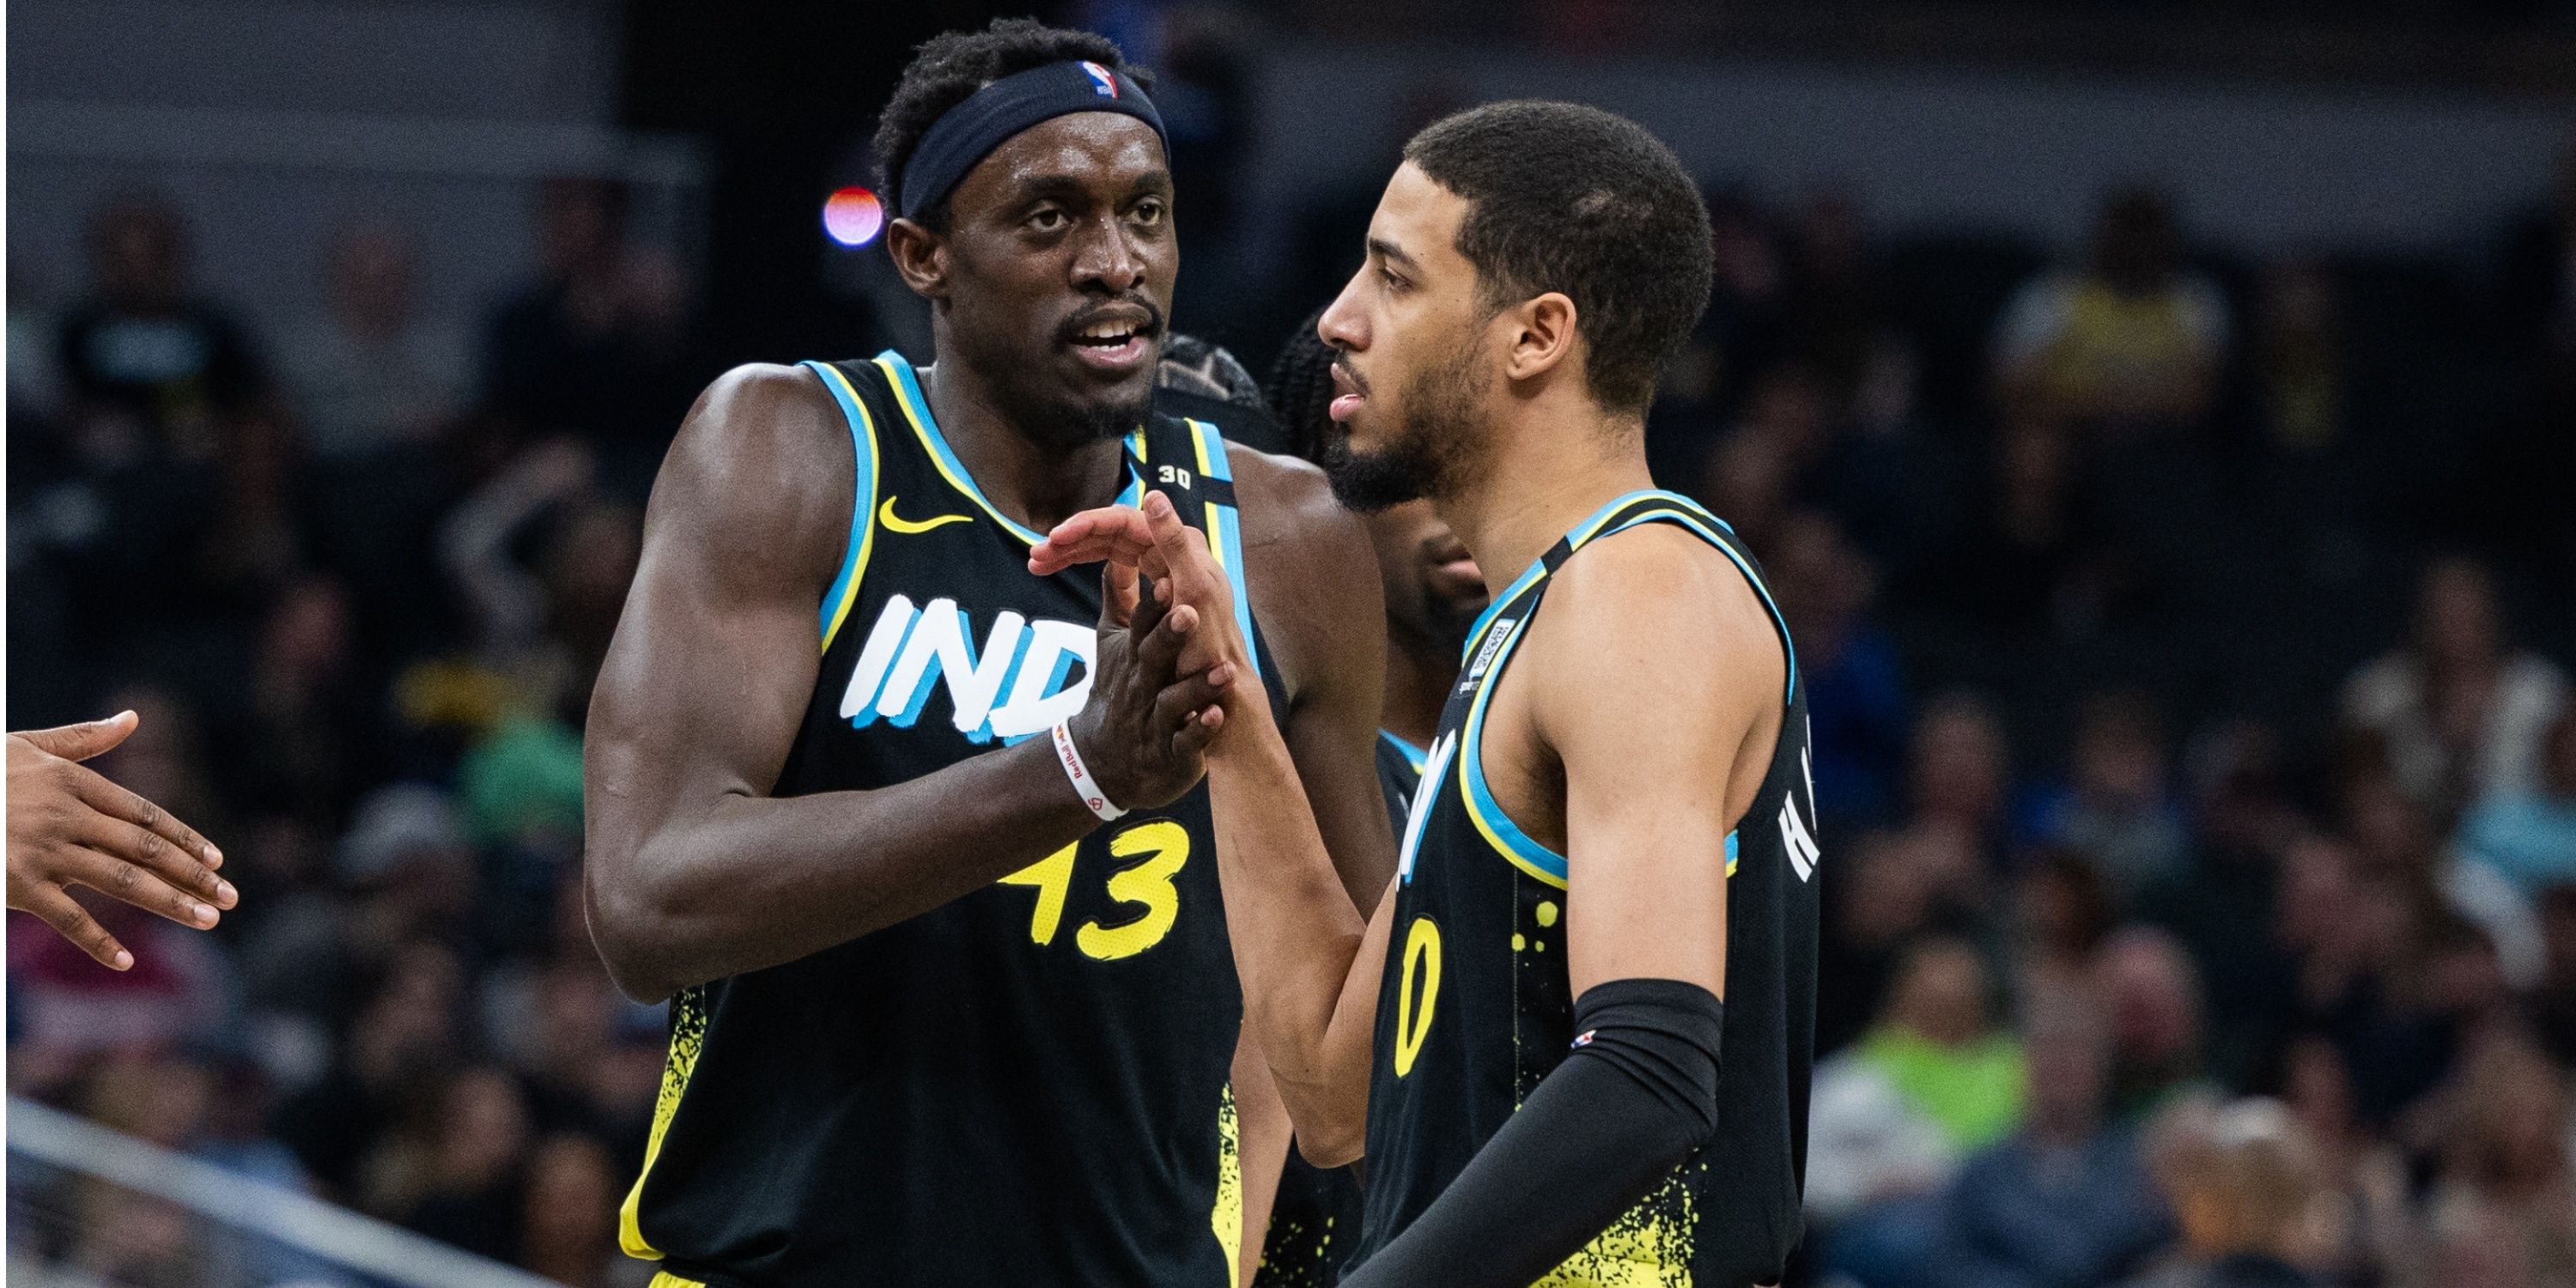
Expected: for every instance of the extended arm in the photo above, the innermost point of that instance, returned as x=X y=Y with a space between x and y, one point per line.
x=694 y=870
x=1652 y=622
x=1308 y=956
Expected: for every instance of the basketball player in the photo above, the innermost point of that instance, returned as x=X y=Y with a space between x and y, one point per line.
x=906 y=833
x=68 y=826
x=1433 y=593
x=1607 y=880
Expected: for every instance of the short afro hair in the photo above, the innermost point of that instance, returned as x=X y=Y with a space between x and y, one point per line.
x=952 y=65
x=1563 y=197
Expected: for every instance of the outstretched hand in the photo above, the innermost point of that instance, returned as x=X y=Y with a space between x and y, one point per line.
x=1153 y=541
x=68 y=826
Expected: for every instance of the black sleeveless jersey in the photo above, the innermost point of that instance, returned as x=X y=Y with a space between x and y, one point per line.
x=1315 y=1218
x=1475 y=1007
x=1029 y=1084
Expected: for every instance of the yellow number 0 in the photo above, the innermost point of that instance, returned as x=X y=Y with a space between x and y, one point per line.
x=1422 y=949
x=1148 y=883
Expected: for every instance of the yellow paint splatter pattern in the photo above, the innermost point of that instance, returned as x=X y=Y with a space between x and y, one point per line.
x=688 y=1037
x=1649 y=1247
x=1226 y=1218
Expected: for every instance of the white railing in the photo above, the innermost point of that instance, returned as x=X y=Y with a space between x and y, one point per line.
x=282 y=1218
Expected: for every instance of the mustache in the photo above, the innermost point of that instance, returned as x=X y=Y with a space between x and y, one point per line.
x=1081 y=321
x=1341 y=363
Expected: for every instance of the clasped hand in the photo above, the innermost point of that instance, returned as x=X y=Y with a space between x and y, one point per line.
x=1170 y=654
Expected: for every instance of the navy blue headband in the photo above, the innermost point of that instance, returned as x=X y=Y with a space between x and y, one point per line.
x=968 y=132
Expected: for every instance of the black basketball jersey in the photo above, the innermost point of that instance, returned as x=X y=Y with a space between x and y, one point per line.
x=1315 y=1218
x=1029 y=1084
x=1475 y=1006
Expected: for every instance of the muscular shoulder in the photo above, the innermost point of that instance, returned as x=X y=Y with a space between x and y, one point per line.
x=1287 y=499
x=762 y=469
x=1313 y=576
x=1656 y=610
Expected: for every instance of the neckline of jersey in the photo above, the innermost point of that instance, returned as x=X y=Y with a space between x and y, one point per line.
x=916 y=408
x=1574 y=538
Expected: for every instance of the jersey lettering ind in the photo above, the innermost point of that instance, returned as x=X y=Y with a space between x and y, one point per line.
x=1475 y=1006
x=905 y=1108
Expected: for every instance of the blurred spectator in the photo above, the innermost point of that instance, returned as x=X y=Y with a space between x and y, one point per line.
x=2115 y=807
x=2031 y=557
x=2133 y=343
x=2394 y=838
x=2553 y=1004
x=1856 y=701
x=2298 y=358
x=2221 y=904
x=1895 y=886
x=1932 y=1082
x=599 y=344
x=368 y=372
x=2245 y=1188
x=2365 y=1176
x=2504 y=1153
x=1958 y=771
x=2152 y=995
x=454 y=1169
x=2065 y=1202
x=569 y=1221
x=2062 y=912
x=1835 y=301
x=151 y=371
x=2459 y=710
x=407 y=1029
x=2530 y=835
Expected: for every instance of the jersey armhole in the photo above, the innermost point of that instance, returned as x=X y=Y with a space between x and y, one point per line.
x=844 y=591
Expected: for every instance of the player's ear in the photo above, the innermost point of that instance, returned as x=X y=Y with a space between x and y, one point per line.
x=1542 y=335
x=921 y=256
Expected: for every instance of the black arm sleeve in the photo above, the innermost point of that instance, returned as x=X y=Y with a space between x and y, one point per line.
x=1636 y=1096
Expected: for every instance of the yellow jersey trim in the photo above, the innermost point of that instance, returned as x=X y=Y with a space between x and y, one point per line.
x=688 y=1037
x=847 y=584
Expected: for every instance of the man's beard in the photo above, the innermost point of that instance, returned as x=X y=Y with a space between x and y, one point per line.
x=1092 y=422
x=1428 y=455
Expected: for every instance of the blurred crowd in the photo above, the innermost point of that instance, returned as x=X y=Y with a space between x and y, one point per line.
x=2187 y=640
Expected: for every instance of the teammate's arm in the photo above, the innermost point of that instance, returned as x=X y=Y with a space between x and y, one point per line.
x=694 y=871
x=1655 y=678
x=1308 y=957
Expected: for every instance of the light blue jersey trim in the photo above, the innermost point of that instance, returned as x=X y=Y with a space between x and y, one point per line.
x=1483 y=810
x=837 y=600
x=1227 y=531
x=1414 y=756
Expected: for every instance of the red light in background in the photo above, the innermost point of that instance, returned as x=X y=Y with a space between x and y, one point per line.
x=853 y=216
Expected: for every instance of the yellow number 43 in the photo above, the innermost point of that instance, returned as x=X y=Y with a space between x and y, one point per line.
x=1148 y=885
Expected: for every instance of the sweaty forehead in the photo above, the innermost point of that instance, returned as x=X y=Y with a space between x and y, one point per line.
x=1106 y=151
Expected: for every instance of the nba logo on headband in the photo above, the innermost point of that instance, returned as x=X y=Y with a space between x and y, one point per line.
x=1102 y=83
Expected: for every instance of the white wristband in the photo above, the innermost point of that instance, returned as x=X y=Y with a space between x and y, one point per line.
x=1084 y=785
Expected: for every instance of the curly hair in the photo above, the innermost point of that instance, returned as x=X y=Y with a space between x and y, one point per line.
x=1562 y=197
x=952 y=65
x=1301 y=389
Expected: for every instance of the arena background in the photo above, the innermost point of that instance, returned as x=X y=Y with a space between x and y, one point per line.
x=2201 y=660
